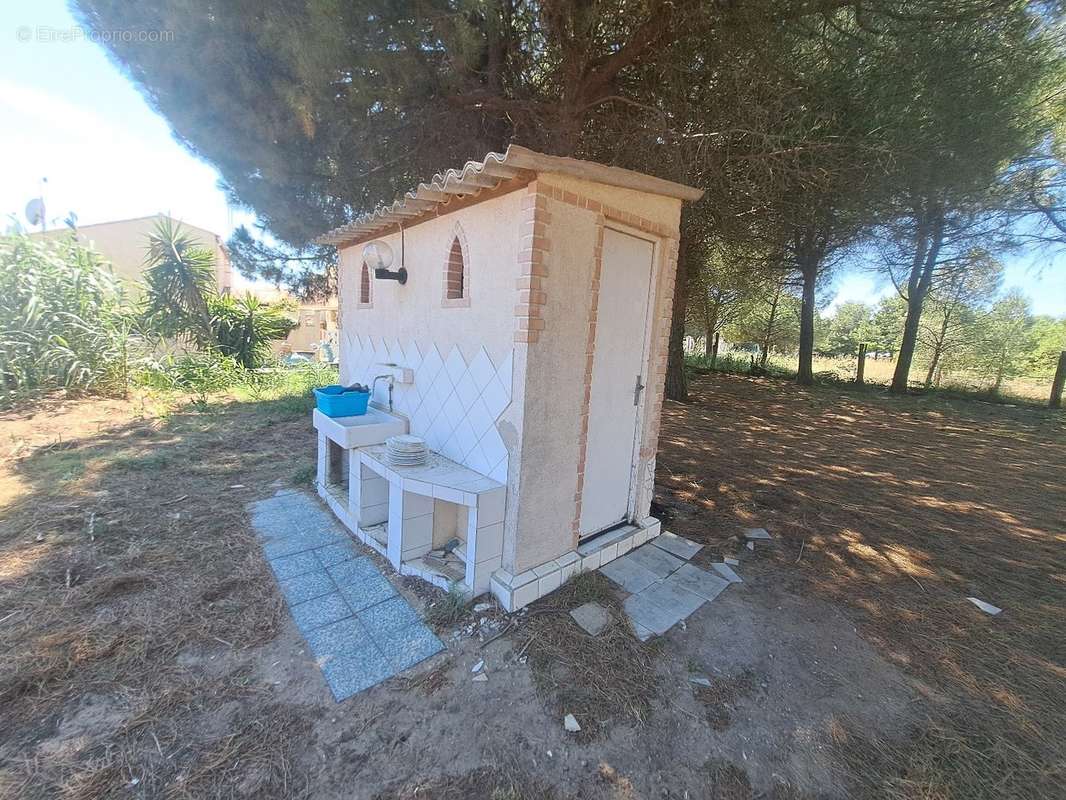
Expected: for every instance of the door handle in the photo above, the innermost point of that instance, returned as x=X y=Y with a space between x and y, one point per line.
x=636 y=391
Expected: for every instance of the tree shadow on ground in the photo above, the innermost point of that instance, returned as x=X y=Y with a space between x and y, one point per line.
x=124 y=546
x=899 y=510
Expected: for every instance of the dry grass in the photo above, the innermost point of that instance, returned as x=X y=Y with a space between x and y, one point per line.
x=879 y=371
x=728 y=782
x=601 y=679
x=720 y=697
x=122 y=549
x=505 y=780
x=897 y=510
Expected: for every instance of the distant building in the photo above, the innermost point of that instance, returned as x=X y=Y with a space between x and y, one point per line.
x=317 y=325
x=124 y=243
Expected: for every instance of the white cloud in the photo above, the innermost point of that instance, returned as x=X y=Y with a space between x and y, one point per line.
x=857 y=287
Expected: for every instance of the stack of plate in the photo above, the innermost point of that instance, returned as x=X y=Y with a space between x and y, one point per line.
x=406 y=450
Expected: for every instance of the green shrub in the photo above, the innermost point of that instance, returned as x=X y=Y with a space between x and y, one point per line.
x=245 y=326
x=64 y=320
x=202 y=373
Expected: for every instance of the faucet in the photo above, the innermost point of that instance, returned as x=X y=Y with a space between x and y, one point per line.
x=374 y=383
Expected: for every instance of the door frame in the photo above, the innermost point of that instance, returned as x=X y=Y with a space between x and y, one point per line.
x=654 y=276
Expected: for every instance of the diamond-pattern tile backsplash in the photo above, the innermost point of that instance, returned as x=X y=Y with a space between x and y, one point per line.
x=453 y=403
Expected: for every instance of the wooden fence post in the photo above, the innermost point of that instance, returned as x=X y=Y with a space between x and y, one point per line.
x=860 y=370
x=1058 y=383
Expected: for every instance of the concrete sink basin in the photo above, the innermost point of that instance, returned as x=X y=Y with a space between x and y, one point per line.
x=373 y=427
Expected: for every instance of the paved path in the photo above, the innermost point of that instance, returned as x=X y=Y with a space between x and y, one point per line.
x=664 y=588
x=360 y=630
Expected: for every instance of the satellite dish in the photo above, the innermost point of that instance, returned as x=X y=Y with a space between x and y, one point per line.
x=35 y=211
x=377 y=255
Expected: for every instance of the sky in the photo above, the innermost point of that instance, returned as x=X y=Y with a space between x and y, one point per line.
x=69 y=115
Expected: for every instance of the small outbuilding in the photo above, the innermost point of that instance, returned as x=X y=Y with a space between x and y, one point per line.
x=521 y=330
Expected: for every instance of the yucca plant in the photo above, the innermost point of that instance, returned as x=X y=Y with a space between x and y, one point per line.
x=245 y=326
x=179 y=280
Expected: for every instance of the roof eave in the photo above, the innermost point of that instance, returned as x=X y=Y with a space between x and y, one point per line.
x=489 y=174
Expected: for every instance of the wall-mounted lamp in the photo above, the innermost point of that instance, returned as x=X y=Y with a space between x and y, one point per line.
x=378 y=256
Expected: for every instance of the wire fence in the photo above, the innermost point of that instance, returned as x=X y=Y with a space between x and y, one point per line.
x=879 y=371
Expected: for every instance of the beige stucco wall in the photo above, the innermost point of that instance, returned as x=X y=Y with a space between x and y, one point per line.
x=555 y=387
x=657 y=208
x=124 y=244
x=551 y=430
x=315 y=323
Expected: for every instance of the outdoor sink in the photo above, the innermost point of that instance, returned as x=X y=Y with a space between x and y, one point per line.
x=373 y=427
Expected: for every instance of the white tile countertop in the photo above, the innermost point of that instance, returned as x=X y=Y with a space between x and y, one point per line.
x=439 y=477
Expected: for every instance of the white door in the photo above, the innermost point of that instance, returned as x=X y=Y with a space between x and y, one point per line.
x=617 y=370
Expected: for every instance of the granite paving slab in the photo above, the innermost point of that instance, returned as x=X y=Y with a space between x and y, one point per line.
x=629 y=574
x=296 y=564
x=408 y=646
x=341 y=639
x=657 y=561
x=352 y=571
x=727 y=572
x=660 y=607
x=388 y=616
x=359 y=629
x=697 y=581
x=333 y=554
x=354 y=674
x=679 y=588
x=677 y=545
x=591 y=617
x=367 y=592
x=307 y=586
x=320 y=611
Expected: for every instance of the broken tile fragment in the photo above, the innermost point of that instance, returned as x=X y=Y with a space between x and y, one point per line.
x=678 y=545
x=757 y=533
x=591 y=617
x=727 y=572
x=481 y=677
x=700 y=681
x=988 y=608
x=697 y=581
x=571 y=724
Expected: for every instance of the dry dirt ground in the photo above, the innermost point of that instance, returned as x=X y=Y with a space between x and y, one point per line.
x=145 y=652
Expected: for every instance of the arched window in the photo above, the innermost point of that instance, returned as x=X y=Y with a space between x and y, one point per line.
x=457 y=272
x=364 y=286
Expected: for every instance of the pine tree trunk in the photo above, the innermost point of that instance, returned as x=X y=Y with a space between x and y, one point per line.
x=932 y=367
x=1055 y=401
x=1001 y=367
x=676 y=384
x=710 y=323
x=901 y=375
x=714 y=351
x=805 y=373
x=930 y=237
x=769 y=331
x=938 y=349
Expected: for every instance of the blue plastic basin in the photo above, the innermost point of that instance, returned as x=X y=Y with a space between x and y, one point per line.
x=336 y=401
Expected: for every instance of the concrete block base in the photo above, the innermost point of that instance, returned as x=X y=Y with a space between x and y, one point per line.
x=516 y=591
